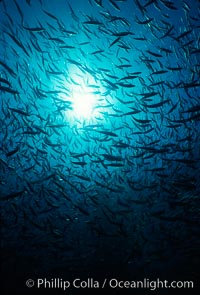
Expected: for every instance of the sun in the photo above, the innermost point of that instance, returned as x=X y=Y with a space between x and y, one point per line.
x=85 y=96
x=84 y=104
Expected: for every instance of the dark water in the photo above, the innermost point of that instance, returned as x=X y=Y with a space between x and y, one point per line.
x=100 y=145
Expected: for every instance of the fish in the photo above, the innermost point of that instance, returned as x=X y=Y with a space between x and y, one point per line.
x=8 y=89
x=19 y=111
x=122 y=34
x=50 y=15
x=144 y=22
x=79 y=163
x=81 y=209
x=82 y=177
x=183 y=35
x=108 y=133
x=34 y=29
x=92 y=22
x=142 y=121
x=115 y=41
x=131 y=77
x=11 y=72
x=111 y=157
x=28 y=2
x=159 y=72
x=12 y=195
x=174 y=68
x=2 y=80
x=193 y=109
x=153 y=53
x=18 y=42
x=114 y=165
x=19 y=11
x=148 y=94
x=156 y=105
x=168 y=32
x=12 y=152
x=114 y=4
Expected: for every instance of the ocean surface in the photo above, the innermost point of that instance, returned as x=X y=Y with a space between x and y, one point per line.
x=99 y=142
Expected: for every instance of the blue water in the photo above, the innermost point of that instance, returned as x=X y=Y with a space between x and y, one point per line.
x=99 y=132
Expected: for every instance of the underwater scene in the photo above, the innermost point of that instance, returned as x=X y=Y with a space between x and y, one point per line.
x=99 y=146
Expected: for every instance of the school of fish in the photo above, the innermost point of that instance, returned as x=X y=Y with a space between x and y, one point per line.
x=121 y=186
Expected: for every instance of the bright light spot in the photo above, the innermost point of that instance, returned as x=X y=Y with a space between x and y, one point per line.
x=83 y=104
x=85 y=96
